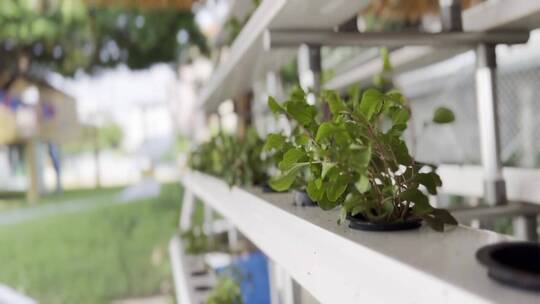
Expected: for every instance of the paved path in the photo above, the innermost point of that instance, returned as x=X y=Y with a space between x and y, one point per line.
x=145 y=189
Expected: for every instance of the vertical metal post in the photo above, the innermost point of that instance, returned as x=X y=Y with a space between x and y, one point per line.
x=527 y=125
x=209 y=220
x=315 y=65
x=488 y=119
x=451 y=15
x=525 y=227
x=188 y=206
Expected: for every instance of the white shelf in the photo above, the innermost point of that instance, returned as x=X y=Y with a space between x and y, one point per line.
x=490 y=15
x=247 y=60
x=340 y=265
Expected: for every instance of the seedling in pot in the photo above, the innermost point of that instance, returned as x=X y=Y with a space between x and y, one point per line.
x=288 y=150
x=357 y=160
x=237 y=160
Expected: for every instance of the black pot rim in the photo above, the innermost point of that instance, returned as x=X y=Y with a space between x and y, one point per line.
x=504 y=273
x=359 y=222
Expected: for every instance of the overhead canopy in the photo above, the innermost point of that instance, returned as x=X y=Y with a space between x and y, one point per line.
x=145 y=4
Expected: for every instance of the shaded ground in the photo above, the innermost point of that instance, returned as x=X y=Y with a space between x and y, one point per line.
x=94 y=255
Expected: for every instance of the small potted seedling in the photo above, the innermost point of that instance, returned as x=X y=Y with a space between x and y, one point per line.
x=226 y=291
x=358 y=161
x=237 y=160
x=287 y=149
x=278 y=145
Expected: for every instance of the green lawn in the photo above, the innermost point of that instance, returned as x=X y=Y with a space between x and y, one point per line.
x=14 y=199
x=94 y=256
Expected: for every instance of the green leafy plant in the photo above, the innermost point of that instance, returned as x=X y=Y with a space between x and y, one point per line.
x=196 y=241
x=238 y=161
x=357 y=159
x=227 y=291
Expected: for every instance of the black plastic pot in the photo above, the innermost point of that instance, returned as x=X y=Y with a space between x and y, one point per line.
x=301 y=198
x=359 y=222
x=513 y=263
x=198 y=273
x=267 y=189
x=203 y=288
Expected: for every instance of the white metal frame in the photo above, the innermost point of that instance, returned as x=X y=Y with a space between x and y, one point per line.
x=340 y=265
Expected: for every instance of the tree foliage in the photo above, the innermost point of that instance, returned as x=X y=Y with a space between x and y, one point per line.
x=67 y=35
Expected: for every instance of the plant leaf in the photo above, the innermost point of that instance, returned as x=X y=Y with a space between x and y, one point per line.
x=274 y=106
x=336 y=187
x=444 y=216
x=326 y=166
x=301 y=112
x=326 y=204
x=362 y=185
x=274 y=141
x=433 y=222
x=325 y=130
x=359 y=158
x=430 y=180
x=372 y=102
x=334 y=102
x=285 y=180
x=314 y=191
x=420 y=200
x=401 y=117
x=443 y=115
x=290 y=158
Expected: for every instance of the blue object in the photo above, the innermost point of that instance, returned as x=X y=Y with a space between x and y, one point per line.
x=251 y=271
x=11 y=102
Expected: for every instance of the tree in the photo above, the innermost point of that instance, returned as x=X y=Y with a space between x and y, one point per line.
x=68 y=35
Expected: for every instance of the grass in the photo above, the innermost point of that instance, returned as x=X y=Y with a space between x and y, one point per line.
x=95 y=256
x=14 y=199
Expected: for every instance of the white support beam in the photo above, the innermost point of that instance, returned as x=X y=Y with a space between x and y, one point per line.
x=340 y=265
x=522 y=185
x=184 y=293
x=487 y=16
x=247 y=60
x=186 y=213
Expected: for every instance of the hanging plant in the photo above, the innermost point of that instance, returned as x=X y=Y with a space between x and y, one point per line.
x=357 y=159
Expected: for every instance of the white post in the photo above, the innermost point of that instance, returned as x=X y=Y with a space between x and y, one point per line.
x=488 y=120
x=208 y=220
x=525 y=228
x=527 y=127
x=34 y=171
x=186 y=212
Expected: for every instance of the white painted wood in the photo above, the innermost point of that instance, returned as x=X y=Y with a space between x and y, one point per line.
x=248 y=62
x=490 y=15
x=522 y=185
x=238 y=9
x=186 y=213
x=209 y=220
x=340 y=265
x=184 y=294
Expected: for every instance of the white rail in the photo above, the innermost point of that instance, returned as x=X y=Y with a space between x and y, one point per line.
x=522 y=185
x=490 y=15
x=247 y=60
x=340 y=265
